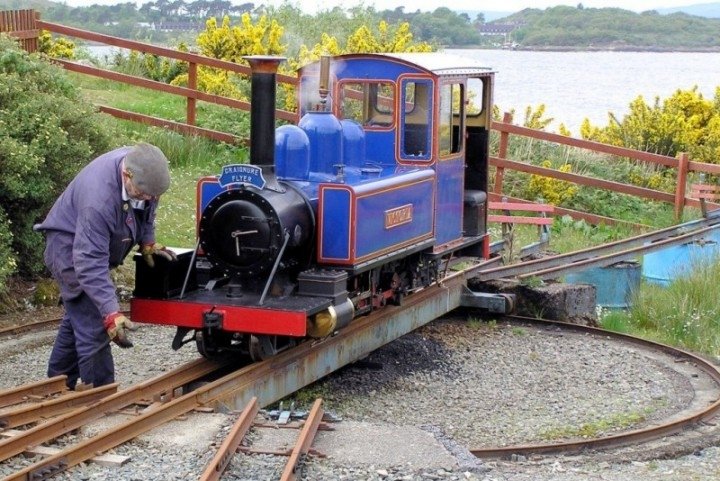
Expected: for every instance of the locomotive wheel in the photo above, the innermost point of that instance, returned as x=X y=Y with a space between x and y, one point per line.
x=210 y=346
x=263 y=347
x=205 y=346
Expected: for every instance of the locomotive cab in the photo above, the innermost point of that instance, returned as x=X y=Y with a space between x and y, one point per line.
x=419 y=111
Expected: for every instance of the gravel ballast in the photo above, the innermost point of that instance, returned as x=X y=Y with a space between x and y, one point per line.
x=411 y=410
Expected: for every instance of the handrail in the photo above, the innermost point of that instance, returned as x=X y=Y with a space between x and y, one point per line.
x=593 y=219
x=583 y=180
x=163 y=87
x=585 y=144
x=682 y=164
x=153 y=49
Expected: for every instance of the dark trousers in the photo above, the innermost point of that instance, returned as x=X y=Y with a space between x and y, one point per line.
x=82 y=347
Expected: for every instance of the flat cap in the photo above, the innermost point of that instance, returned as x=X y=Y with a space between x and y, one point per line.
x=149 y=168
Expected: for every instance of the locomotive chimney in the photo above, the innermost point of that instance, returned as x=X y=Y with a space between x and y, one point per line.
x=324 y=81
x=262 y=110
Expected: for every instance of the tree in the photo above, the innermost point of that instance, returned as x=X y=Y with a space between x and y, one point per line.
x=684 y=122
x=396 y=39
x=445 y=27
x=232 y=43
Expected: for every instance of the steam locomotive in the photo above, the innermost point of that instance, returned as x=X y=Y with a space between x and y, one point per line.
x=381 y=181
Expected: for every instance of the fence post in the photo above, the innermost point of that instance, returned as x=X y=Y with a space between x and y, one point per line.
x=33 y=44
x=192 y=84
x=683 y=161
x=502 y=153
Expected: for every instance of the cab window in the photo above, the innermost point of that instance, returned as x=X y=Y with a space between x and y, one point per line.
x=371 y=104
x=416 y=115
x=475 y=104
x=452 y=108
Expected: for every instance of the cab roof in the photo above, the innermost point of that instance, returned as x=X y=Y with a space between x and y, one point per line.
x=443 y=63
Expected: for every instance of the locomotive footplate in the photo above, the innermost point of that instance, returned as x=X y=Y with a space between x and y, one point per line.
x=276 y=316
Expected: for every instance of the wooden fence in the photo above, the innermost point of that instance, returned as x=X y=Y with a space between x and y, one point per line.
x=682 y=164
x=26 y=25
x=21 y=24
x=32 y=23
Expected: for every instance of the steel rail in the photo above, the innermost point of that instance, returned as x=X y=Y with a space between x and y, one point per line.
x=23 y=415
x=280 y=375
x=153 y=417
x=145 y=390
x=304 y=441
x=622 y=439
x=609 y=259
x=216 y=467
x=45 y=387
x=33 y=326
x=601 y=255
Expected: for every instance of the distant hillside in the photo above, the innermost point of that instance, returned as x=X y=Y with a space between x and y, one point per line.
x=708 y=10
x=560 y=27
x=565 y=27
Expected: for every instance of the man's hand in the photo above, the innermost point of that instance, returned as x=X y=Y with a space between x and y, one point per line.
x=156 y=249
x=117 y=326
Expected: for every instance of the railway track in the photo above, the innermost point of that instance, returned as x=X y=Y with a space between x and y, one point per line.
x=553 y=267
x=307 y=431
x=283 y=374
x=35 y=326
x=257 y=379
x=156 y=388
x=27 y=414
x=30 y=327
x=677 y=424
x=268 y=380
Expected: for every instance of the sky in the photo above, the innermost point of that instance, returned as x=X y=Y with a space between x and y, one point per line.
x=430 y=5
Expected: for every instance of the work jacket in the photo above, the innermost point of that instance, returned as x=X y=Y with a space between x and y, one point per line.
x=91 y=229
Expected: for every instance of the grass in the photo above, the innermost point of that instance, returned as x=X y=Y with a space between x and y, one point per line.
x=595 y=428
x=478 y=323
x=684 y=314
x=305 y=397
x=136 y=99
x=163 y=105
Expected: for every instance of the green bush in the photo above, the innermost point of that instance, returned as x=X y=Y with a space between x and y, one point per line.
x=47 y=133
x=7 y=256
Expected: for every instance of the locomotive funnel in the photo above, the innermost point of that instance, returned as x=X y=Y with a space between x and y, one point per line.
x=262 y=110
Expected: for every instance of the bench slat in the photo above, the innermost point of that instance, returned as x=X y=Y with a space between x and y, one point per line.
x=704 y=195
x=705 y=192
x=520 y=206
x=519 y=219
x=706 y=187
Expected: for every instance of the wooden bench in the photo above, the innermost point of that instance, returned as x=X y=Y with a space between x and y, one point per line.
x=704 y=192
x=509 y=218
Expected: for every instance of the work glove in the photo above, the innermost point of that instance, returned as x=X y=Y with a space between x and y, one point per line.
x=156 y=249
x=117 y=326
